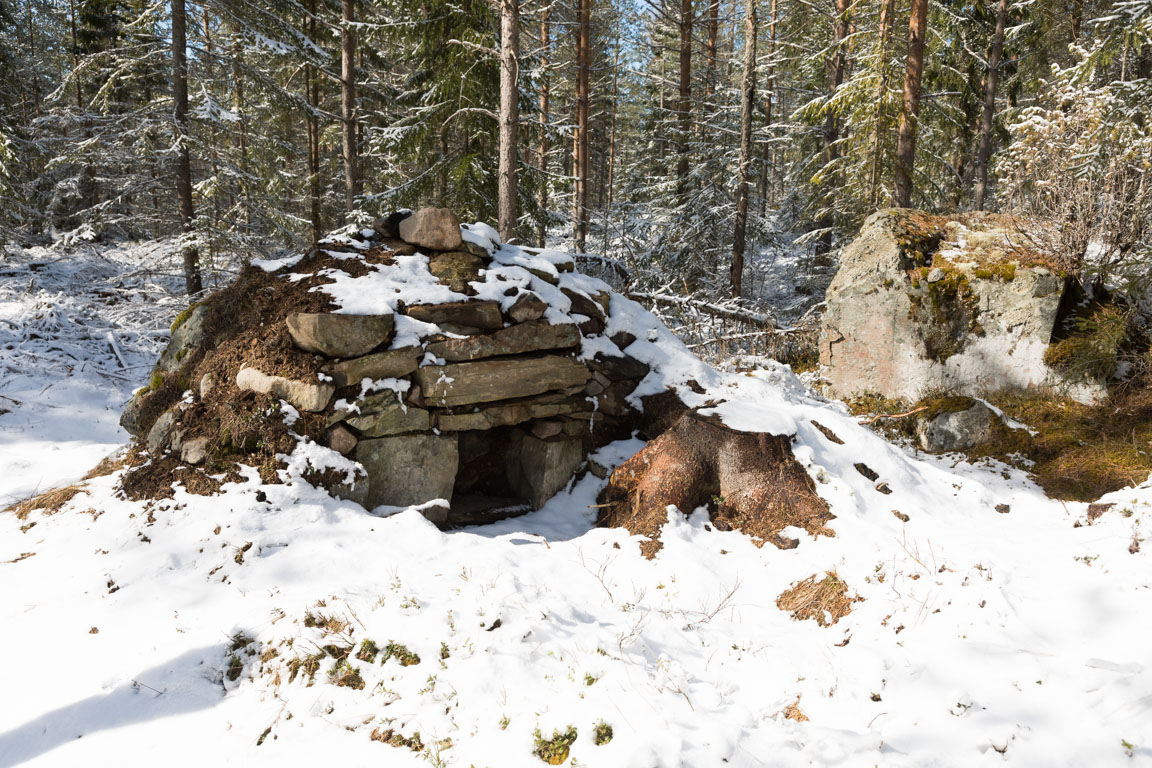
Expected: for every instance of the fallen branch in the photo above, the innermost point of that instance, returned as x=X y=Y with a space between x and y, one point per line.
x=756 y=319
x=893 y=415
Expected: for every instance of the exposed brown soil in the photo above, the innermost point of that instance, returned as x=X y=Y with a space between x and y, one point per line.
x=826 y=601
x=244 y=326
x=749 y=481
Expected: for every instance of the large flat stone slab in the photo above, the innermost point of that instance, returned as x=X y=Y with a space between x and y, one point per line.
x=487 y=381
x=507 y=414
x=306 y=396
x=383 y=365
x=536 y=336
x=339 y=335
x=539 y=469
x=435 y=228
x=477 y=315
x=408 y=469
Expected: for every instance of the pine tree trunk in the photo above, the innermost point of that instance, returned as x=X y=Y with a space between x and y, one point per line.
x=348 y=102
x=770 y=87
x=985 y=151
x=881 y=128
x=542 y=159
x=509 y=116
x=836 y=68
x=241 y=122
x=312 y=95
x=747 y=99
x=713 y=36
x=612 y=121
x=192 y=280
x=580 y=154
x=684 y=104
x=910 y=108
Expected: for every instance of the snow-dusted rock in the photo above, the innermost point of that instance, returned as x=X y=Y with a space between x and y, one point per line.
x=339 y=335
x=435 y=228
x=527 y=307
x=456 y=269
x=508 y=414
x=304 y=395
x=382 y=365
x=383 y=414
x=465 y=317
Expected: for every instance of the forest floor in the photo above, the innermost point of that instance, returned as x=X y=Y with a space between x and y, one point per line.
x=972 y=620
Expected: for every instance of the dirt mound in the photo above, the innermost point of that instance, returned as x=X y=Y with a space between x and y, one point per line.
x=749 y=481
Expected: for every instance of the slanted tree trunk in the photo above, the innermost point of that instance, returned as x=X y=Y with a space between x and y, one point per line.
x=684 y=103
x=580 y=148
x=747 y=99
x=545 y=94
x=193 y=282
x=749 y=481
x=348 y=102
x=769 y=93
x=910 y=107
x=984 y=153
x=509 y=117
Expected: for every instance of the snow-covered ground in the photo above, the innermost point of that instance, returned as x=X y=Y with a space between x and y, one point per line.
x=982 y=637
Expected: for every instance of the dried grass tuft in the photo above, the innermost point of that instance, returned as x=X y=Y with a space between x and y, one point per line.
x=49 y=502
x=826 y=601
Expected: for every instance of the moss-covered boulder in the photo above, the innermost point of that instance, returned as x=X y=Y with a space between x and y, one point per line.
x=931 y=303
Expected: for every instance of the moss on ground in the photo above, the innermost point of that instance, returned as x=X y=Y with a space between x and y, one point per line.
x=1079 y=452
x=554 y=751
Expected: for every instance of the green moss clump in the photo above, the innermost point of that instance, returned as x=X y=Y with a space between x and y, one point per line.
x=944 y=312
x=602 y=733
x=368 y=651
x=1004 y=271
x=309 y=665
x=184 y=315
x=554 y=751
x=235 y=667
x=401 y=653
x=346 y=676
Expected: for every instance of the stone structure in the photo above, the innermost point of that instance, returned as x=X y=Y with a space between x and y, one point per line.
x=488 y=400
x=925 y=304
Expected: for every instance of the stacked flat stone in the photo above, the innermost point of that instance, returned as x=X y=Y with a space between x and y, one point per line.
x=496 y=391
